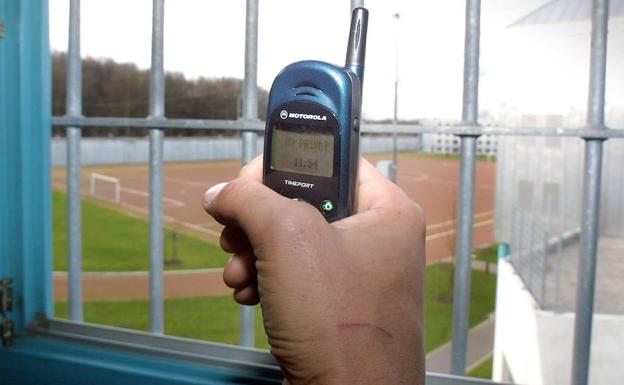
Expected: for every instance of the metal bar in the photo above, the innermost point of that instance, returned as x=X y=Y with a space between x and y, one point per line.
x=157 y=110
x=231 y=358
x=401 y=129
x=533 y=231
x=468 y=158
x=463 y=255
x=74 y=214
x=356 y=4
x=542 y=300
x=169 y=347
x=249 y=138
x=590 y=217
x=395 y=117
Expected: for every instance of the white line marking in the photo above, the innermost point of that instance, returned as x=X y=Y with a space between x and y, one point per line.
x=445 y=233
x=142 y=193
x=185 y=181
x=453 y=221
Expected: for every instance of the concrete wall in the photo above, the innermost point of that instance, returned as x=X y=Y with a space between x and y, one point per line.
x=450 y=144
x=136 y=150
x=534 y=347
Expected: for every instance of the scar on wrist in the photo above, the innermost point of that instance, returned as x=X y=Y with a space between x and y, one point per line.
x=364 y=325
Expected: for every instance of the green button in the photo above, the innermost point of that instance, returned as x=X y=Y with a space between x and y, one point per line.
x=327 y=205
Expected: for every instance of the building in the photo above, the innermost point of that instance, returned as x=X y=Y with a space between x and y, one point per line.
x=538 y=217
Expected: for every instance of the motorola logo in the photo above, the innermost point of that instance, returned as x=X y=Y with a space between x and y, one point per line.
x=284 y=114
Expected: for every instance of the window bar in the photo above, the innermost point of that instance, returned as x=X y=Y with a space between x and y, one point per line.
x=250 y=138
x=591 y=196
x=74 y=216
x=463 y=252
x=156 y=137
x=356 y=4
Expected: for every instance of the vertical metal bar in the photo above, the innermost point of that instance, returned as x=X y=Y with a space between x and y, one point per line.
x=74 y=215
x=557 y=306
x=543 y=274
x=591 y=196
x=531 y=255
x=249 y=138
x=393 y=174
x=156 y=110
x=356 y=4
x=461 y=296
x=514 y=235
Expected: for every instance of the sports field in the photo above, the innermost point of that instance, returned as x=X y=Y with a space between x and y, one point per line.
x=430 y=181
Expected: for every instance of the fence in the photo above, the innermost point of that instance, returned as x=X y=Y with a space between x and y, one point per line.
x=593 y=134
x=536 y=255
x=136 y=150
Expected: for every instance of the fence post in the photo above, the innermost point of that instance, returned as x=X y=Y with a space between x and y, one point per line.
x=544 y=267
x=156 y=138
x=249 y=138
x=468 y=158
x=591 y=196
x=74 y=210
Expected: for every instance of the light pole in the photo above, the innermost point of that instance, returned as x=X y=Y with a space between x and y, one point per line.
x=393 y=173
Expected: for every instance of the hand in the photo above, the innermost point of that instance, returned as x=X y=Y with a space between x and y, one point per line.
x=342 y=302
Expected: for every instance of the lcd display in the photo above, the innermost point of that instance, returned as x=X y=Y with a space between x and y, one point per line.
x=303 y=153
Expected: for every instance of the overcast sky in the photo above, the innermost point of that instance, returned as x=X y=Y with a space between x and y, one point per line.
x=206 y=38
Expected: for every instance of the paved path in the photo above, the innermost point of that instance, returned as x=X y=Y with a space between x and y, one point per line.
x=135 y=285
x=204 y=282
x=480 y=347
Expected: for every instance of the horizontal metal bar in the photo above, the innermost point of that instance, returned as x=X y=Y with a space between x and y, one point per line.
x=200 y=124
x=404 y=129
x=228 y=357
x=445 y=379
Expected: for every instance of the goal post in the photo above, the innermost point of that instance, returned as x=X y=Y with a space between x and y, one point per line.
x=112 y=184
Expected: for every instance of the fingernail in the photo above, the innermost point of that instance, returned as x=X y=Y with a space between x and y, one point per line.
x=211 y=193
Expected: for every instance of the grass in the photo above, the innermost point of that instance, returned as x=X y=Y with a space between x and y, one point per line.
x=484 y=370
x=213 y=318
x=439 y=306
x=113 y=241
x=216 y=318
x=489 y=254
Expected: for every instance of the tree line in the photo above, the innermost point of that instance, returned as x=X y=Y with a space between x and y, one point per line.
x=111 y=89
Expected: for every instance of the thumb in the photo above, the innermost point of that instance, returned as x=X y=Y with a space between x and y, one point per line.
x=259 y=211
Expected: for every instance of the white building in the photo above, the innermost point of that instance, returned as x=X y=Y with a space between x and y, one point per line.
x=538 y=195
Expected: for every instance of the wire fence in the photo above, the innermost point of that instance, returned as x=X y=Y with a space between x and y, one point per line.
x=536 y=255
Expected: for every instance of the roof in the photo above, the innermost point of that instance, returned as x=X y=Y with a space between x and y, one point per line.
x=562 y=11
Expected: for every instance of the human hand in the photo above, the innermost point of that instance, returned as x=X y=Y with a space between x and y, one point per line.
x=342 y=302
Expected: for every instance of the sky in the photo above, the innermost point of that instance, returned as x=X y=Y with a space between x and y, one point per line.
x=206 y=38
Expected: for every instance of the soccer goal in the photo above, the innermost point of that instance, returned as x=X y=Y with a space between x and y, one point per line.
x=105 y=187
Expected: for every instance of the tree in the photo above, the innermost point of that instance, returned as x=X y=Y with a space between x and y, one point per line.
x=113 y=89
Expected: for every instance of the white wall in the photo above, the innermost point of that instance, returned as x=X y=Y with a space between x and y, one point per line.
x=136 y=150
x=536 y=345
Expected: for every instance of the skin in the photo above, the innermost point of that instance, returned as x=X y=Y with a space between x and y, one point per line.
x=342 y=302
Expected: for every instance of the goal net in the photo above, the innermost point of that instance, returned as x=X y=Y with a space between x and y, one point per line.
x=105 y=187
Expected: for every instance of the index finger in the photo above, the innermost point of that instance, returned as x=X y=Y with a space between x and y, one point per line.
x=374 y=190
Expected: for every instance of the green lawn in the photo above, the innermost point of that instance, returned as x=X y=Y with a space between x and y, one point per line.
x=113 y=241
x=207 y=318
x=216 y=318
x=489 y=254
x=483 y=371
x=439 y=306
